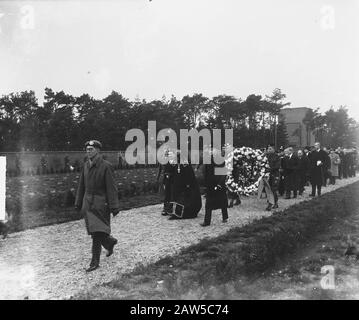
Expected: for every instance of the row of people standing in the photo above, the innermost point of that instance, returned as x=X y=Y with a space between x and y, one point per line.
x=315 y=165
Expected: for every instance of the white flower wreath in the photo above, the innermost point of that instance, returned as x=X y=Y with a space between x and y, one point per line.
x=251 y=165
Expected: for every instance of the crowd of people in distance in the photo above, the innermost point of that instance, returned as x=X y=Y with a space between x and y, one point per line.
x=290 y=172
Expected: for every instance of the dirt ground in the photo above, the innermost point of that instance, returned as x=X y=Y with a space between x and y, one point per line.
x=299 y=277
x=49 y=262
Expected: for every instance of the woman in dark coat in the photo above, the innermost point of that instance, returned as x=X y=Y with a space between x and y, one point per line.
x=186 y=195
x=97 y=197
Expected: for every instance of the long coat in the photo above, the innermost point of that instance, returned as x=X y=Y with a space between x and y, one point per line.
x=274 y=162
x=334 y=167
x=316 y=172
x=290 y=167
x=186 y=191
x=97 y=195
x=216 y=191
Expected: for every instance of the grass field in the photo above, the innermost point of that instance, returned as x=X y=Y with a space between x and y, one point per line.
x=48 y=199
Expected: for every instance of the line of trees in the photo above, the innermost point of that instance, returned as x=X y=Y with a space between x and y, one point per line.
x=65 y=122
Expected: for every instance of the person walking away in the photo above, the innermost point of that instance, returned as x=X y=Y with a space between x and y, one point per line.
x=97 y=198
x=290 y=167
x=334 y=166
x=317 y=160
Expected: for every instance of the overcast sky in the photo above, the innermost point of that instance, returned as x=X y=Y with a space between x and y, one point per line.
x=308 y=48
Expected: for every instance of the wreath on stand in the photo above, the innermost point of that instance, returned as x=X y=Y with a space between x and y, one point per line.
x=249 y=166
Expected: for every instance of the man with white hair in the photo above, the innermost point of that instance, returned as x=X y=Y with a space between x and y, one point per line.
x=290 y=167
x=317 y=163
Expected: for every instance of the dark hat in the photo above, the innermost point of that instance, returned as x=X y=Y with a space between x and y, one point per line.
x=93 y=143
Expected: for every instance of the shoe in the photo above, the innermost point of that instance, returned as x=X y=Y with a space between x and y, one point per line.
x=173 y=217
x=225 y=220
x=275 y=206
x=204 y=224
x=92 y=267
x=164 y=213
x=269 y=207
x=312 y=195
x=110 y=251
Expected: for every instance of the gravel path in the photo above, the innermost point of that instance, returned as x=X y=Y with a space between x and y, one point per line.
x=49 y=262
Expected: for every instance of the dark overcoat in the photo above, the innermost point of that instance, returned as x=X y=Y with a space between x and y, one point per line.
x=317 y=172
x=97 y=195
x=274 y=162
x=185 y=190
x=216 y=195
x=290 y=168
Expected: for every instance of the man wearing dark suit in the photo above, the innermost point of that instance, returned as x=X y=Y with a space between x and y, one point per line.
x=303 y=167
x=317 y=161
x=281 y=187
x=216 y=193
x=290 y=167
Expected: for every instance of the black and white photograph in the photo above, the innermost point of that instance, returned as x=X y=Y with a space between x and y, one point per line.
x=179 y=150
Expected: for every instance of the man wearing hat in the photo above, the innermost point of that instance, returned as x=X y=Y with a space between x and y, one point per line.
x=97 y=198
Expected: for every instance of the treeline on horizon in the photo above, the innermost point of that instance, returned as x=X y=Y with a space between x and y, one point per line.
x=64 y=122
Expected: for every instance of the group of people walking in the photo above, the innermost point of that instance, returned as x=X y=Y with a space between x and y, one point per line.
x=289 y=172
x=182 y=196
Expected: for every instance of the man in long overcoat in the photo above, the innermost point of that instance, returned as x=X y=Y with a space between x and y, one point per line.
x=303 y=171
x=290 y=168
x=216 y=191
x=317 y=161
x=97 y=198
